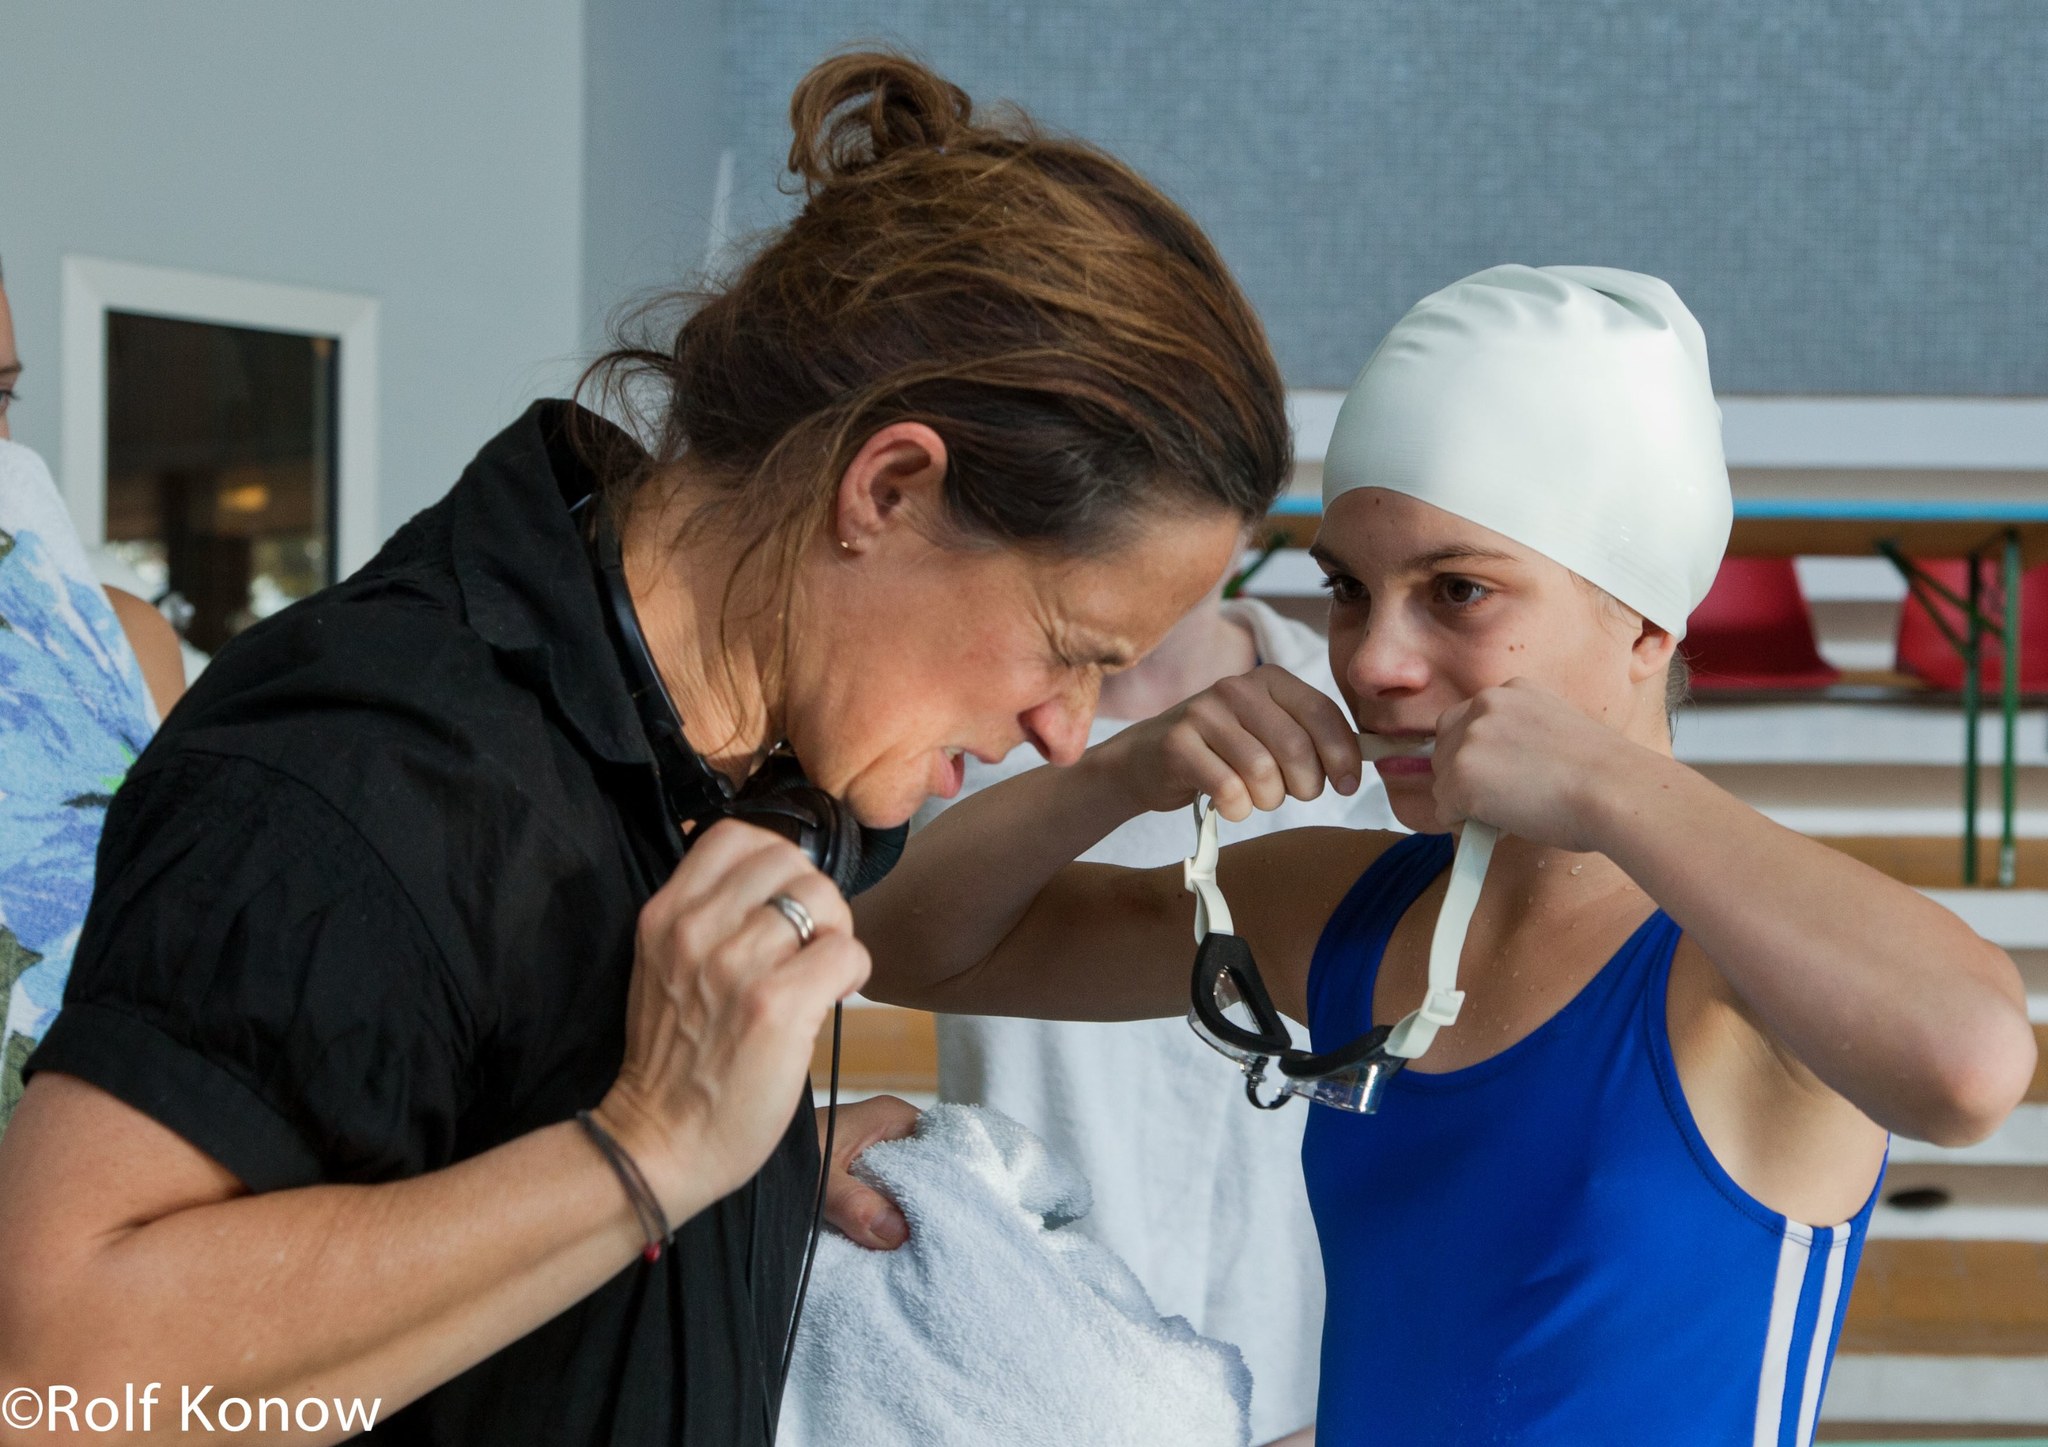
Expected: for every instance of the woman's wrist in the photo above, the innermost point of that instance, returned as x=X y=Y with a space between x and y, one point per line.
x=658 y=1152
x=647 y=1208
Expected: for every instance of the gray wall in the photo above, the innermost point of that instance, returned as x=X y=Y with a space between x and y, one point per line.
x=428 y=155
x=654 y=127
x=1853 y=196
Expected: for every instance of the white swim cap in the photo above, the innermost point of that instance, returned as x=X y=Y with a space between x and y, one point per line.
x=1565 y=407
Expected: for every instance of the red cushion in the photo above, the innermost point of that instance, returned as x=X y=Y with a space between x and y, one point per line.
x=1754 y=630
x=1928 y=655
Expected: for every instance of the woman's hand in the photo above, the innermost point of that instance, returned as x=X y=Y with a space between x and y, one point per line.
x=723 y=1008
x=1525 y=761
x=860 y=1212
x=1248 y=742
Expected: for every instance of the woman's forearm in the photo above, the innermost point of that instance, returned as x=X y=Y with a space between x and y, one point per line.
x=129 y=1254
x=1888 y=998
x=970 y=876
x=330 y=1291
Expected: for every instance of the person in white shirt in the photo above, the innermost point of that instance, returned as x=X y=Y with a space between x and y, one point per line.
x=1200 y=1195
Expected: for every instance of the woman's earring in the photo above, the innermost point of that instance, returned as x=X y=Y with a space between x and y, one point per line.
x=847 y=548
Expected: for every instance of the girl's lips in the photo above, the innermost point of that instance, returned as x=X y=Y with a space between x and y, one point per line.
x=1402 y=768
x=1397 y=754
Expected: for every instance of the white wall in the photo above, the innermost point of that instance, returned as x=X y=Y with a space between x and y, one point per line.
x=428 y=155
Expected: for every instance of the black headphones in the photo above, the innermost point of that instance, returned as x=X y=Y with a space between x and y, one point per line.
x=777 y=796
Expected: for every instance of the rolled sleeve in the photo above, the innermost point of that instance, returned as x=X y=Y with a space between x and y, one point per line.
x=252 y=976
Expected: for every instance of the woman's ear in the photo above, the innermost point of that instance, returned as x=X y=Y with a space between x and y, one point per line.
x=897 y=479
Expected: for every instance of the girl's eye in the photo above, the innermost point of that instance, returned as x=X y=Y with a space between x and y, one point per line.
x=1461 y=592
x=1343 y=589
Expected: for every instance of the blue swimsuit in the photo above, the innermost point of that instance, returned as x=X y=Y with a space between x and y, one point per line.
x=1540 y=1248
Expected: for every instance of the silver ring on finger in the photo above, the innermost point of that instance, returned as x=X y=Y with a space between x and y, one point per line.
x=799 y=918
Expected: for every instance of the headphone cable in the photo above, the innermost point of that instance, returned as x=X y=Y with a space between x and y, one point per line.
x=803 y=1285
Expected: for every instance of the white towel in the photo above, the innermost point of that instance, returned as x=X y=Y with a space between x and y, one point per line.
x=995 y=1325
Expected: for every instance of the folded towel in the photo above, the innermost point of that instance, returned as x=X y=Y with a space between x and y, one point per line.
x=994 y=1325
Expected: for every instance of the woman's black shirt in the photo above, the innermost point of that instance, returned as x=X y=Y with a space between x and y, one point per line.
x=365 y=908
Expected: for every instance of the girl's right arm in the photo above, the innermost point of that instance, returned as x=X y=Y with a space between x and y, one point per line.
x=988 y=914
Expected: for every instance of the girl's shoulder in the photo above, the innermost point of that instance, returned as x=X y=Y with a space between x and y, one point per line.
x=1317 y=849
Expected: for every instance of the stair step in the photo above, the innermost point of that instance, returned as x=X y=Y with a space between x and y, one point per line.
x=2012 y=919
x=1823 y=798
x=1951 y=1201
x=1950 y=1434
x=1990 y=1398
x=881 y=1048
x=1935 y=861
x=1893 y=727
x=1951 y=1298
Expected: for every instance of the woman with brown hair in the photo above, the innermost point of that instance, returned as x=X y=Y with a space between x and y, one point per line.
x=436 y=1038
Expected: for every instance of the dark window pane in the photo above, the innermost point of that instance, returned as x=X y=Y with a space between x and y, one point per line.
x=220 y=465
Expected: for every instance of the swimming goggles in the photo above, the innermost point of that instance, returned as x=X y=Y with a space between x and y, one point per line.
x=1233 y=1012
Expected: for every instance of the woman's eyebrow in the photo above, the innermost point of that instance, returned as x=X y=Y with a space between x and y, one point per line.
x=1104 y=655
x=1085 y=647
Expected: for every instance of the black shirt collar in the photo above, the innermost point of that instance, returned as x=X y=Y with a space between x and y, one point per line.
x=528 y=586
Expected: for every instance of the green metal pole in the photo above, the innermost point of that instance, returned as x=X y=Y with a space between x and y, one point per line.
x=1973 y=625
x=2008 y=769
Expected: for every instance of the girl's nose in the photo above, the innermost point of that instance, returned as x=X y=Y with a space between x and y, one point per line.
x=1382 y=662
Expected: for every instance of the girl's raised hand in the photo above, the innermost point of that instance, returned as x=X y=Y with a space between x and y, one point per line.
x=1248 y=742
x=1527 y=762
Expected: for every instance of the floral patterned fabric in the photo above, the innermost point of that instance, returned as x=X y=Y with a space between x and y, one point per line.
x=73 y=715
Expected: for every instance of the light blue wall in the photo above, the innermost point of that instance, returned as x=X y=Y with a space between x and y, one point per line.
x=428 y=155
x=1853 y=196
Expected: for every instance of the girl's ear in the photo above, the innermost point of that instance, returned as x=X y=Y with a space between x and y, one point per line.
x=1650 y=654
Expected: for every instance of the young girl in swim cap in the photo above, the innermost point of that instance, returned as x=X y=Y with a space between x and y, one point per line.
x=1622 y=1199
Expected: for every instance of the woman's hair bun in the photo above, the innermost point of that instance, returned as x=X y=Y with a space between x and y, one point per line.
x=854 y=110
x=1065 y=328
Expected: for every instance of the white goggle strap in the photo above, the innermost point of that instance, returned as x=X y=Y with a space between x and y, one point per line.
x=1199 y=874
x=1441 y=1004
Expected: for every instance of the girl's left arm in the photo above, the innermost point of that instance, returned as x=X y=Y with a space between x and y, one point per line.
x=1888 y=998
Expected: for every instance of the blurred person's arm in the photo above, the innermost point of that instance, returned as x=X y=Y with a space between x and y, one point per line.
x=155 y=643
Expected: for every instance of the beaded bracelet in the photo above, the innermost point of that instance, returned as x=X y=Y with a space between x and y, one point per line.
x=646 y=1206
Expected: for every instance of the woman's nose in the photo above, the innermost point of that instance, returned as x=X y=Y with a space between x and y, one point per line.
x=1058 y=728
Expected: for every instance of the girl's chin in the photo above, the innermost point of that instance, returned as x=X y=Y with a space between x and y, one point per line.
x=1415 y=809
